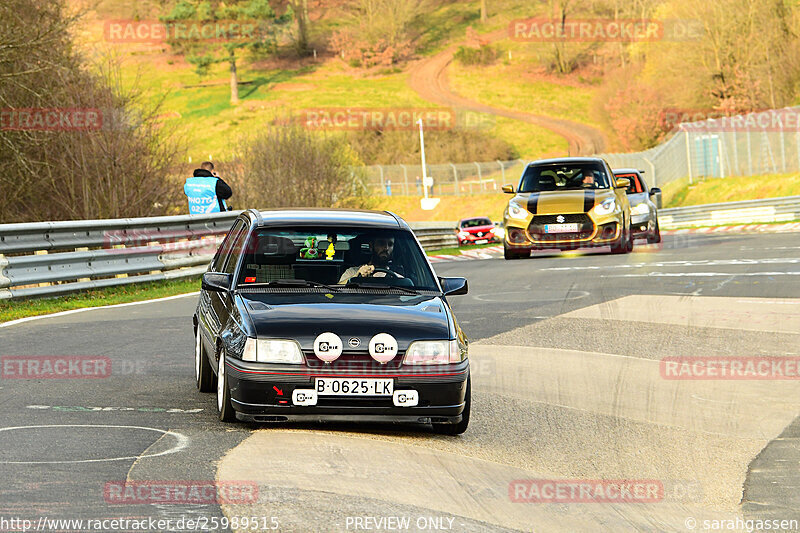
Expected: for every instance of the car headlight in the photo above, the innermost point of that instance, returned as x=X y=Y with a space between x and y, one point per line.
x=608 y=206
x=640 y=209
x=432 y=353
x=515 y=211
x=272 y=351
x=463 y=234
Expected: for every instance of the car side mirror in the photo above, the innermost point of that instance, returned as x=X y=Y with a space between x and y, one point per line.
x=454 y=286
x=508 y=189
x=656 y=192
x=622 y=183
x=216 y=282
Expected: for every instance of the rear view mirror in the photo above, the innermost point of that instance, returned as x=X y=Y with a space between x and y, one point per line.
x=655 y=193
x=622 y=183
x=454 y=286
x=216 y=282
x=508 y=189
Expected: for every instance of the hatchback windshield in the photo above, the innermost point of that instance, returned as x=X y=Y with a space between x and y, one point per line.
x=332 y=255
x=557 y=177
x=475 y=222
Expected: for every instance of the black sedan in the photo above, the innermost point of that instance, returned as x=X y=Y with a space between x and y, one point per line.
x=330 y=315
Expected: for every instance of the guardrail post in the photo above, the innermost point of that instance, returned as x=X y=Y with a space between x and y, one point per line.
x=502 y=170
x=480 y=177
x=383 y=187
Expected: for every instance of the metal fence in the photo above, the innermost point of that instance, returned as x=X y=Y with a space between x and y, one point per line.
x=55 y=258
x=766 y=142
x=448 y=179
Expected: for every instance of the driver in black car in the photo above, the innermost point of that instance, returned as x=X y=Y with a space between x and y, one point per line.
x=382 y=250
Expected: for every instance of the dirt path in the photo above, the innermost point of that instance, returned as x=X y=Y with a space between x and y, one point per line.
x=429 y=79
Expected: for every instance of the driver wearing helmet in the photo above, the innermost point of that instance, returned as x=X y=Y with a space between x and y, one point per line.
x=382 y=250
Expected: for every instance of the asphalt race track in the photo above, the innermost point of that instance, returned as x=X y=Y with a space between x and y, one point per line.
x=568 y=386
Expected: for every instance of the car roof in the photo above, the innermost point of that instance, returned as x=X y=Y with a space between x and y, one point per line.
x=474 y=218
x=342 y=217
x=558 y=160
x=627 y=171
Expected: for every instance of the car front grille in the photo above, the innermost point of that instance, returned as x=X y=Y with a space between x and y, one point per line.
x=537 y=225
x=352 y=362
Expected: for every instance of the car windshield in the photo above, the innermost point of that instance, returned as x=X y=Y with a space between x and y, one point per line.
x=635 y=185
x=333 y=255
x=475 y=222
x=558 y=177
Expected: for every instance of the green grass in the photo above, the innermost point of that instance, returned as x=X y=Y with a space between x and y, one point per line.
x=211 y=125
x=456 y=250
x=508 y=86
x=12 y=310
x=679 y=193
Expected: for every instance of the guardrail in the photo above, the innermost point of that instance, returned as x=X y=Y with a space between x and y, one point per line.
x=768 y=210
x=54 y=258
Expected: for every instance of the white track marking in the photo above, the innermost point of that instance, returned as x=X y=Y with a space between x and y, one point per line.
x=72 y=311
x=181 y=442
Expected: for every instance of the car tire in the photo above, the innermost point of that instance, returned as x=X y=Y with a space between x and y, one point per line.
x=460 y=427
x=655 y=238
x=624 y=245
x=513 y=254
x=203 y=374
x=224 y=405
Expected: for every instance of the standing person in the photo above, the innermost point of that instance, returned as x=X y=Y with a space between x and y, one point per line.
x=206 y=191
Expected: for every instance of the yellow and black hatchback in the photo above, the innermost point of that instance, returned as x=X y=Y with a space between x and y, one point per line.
x=567 y=203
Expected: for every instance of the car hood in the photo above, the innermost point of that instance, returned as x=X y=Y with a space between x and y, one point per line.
x=477 y=229
x=637 y=198
x=406 y=318
x=562 y=202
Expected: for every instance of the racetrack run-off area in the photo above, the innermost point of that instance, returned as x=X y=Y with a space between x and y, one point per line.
x=568 y=385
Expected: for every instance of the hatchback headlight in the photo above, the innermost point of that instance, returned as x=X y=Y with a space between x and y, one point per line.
x=608 y=206
x=432 y=353
x=463 y=234
x=515 y=211
x=640 y=209
x=272 y=351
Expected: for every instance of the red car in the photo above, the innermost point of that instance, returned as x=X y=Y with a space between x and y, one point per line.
x=478 y=230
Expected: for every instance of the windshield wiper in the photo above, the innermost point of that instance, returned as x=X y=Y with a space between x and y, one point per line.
x=362 y=285
x=293 y=283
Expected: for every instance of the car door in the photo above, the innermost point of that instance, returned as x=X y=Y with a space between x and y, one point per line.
x=221 y=302
x=210 y=303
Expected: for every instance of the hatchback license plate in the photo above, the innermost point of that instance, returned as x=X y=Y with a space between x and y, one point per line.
x=354 y=387
x=560 y=228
